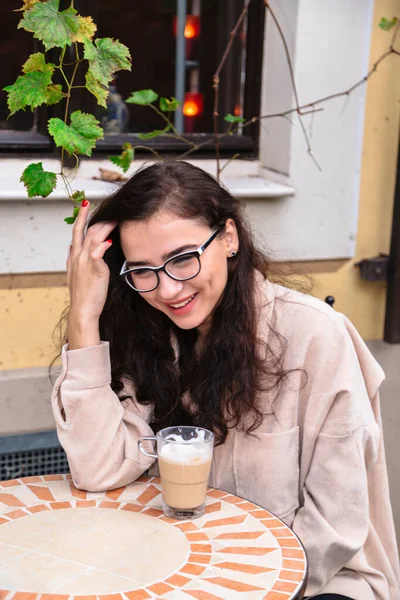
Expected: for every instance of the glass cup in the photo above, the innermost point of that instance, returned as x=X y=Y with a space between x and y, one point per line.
x=184 y=459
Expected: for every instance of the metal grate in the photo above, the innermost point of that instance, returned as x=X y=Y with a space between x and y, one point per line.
x=46 y=461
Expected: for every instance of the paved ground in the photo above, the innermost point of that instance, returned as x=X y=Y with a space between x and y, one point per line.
x=388 y=355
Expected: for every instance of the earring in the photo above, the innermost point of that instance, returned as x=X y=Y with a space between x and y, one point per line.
x=233 y=253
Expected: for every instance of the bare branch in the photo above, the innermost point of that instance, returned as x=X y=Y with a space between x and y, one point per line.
x=216 y=81
x=291 y=71
x=310 y=106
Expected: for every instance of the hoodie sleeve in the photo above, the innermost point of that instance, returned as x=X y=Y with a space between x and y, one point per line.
x=98 y=432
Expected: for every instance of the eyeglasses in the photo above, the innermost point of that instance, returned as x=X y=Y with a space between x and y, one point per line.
x=181 y=267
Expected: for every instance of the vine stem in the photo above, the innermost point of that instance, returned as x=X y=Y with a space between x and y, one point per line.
x=176 y=134
x=70 y=86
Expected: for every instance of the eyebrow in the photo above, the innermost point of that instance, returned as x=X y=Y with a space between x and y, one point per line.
x=166 y=256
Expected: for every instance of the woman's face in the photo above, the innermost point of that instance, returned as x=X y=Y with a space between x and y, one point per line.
x=189 y=304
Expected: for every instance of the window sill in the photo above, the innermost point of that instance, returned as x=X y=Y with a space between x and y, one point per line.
x=242 y=179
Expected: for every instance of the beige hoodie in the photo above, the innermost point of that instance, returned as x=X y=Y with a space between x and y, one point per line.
x=318 y=462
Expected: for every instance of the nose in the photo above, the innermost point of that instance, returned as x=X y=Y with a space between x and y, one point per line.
x=168 y=288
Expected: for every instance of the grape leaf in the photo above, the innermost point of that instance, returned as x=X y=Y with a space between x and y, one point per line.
x=35 y=87
x=125 y=158
x=29 y=90
x=97 y=89
x=27 y=5
x=151 y=134
x=54 y=94
x=79 y=137
x=387 y=24
x=143 y=97
x=106 y=56
x=233 y=119
x=53 y=28
x=37 y=62
x=75 y=212
x=37 y=181
x=167 y=105
x=78 y=196
x=86 y=31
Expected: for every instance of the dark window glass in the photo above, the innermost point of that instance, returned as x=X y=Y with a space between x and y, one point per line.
x=15 y=47
x=147 y=28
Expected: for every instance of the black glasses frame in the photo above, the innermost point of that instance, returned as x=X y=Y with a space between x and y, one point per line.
x=197 y=253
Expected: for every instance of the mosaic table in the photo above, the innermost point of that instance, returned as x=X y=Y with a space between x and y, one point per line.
x=60 y=543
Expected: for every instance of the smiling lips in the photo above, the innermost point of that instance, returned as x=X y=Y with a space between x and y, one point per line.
x=184 y=302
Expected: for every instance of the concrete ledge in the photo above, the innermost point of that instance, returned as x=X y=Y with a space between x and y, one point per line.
x=25 y=401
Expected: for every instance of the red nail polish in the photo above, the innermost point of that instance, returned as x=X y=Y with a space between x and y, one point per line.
x=85 y=202
x=109 y=241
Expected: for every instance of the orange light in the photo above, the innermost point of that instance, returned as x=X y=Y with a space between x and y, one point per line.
x=193 y=104
x=192 y=26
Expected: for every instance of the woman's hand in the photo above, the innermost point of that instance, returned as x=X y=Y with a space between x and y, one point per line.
x=88 y=278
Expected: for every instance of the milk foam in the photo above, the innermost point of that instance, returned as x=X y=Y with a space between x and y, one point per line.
x=186 y=451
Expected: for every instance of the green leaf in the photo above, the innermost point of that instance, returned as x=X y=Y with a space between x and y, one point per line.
x=97 y=89
x=143 y=97
x=151 y=134
x=168 y=105
x=35 y=87
x=232 y=119
x=106 y=56
x=79 y=137
x=125 y=158
x=37 y=181
x=54 y=94
x=387 y=24
x=29 y=90
x=78 y=196
x=53 y=28
x=37 y=62
x=70 y=220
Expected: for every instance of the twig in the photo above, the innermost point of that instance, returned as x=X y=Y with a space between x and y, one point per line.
x=309 y=105
x=150 y=149
x=216 y=81
x=228 y=161
x=176 y=134
x=291 y=71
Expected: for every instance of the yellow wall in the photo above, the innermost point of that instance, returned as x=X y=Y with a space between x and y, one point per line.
x=364 y=302
x=28 y=316
x=27 y=320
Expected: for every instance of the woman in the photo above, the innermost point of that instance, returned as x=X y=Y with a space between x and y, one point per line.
x=173 y=321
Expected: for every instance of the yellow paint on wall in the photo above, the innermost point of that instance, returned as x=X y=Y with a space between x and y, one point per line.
x=364 y=302
x=27 y=320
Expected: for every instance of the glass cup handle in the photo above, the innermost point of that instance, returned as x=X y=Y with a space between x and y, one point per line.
x=142 y=450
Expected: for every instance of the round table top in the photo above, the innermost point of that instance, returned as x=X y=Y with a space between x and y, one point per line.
x=60 y=543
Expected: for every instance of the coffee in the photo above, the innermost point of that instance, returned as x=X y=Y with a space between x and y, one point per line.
x=184 y=459
x=184 y=481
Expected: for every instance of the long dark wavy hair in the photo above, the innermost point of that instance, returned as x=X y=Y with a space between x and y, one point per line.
x=224 y=379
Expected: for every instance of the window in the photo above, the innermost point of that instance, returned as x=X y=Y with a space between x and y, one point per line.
x=149 y=29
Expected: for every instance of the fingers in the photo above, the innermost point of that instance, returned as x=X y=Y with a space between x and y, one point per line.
x=96 y=235
x=100 y=250
x=78 y=232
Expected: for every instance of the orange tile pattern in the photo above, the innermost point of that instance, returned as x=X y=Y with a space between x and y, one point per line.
x=42 y=492
x=240 y=530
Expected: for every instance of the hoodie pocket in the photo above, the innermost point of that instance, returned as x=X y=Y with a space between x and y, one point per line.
x=266 y=469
